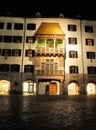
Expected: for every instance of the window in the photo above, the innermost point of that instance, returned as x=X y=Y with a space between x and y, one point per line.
x=31 y=26
x=9 y=25
x=15 y=68
x=28 y=68
x=73 y=54
x=89 y=29
x=30 y=53
x=56 y=66
x=71 y=27
x=50 y=43
x=91 y=70
x=30 y=39
x=16 y=52
x=6 y=52
x=43 y=66
x=51 y=61
x=40 y=43
x=73 y=69
x=17 y=39
x=1 y=25
x=4 y=67
x=0 y=52
x=42 y=69
x=90 y=42
x=18 y=26
x=47 y=61
x=49 y=66
x=72 y=40
x=7 y=39
x=1 y=38
x=90 y=55
x=59 y=43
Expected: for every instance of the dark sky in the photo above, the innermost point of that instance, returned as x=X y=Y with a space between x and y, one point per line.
x=50 y=8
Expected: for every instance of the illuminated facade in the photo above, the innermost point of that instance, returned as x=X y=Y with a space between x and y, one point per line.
x=47 y=56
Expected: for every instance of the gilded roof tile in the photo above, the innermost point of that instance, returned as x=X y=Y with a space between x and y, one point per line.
x=49 y=28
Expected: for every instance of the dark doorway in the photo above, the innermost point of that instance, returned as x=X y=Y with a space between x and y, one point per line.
x=47 y=90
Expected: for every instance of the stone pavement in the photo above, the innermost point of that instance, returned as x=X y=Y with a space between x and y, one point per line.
x=48 y=112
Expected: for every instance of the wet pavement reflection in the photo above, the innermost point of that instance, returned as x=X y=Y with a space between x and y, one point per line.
x=48 y=112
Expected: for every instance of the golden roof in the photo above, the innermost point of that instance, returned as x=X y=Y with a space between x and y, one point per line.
x=49 y=28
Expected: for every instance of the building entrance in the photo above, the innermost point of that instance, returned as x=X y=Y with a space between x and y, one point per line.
x=49 y=87
x=4 y=87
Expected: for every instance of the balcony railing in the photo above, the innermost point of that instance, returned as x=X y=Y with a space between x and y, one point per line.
x=49 y=72
x=49 y=51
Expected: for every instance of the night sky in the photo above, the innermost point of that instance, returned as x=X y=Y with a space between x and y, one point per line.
x=29 y=8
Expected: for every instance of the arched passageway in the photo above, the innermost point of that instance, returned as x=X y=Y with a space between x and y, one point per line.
x=91 y=88
x=73 y=88
x=29 y=87
x=4 y=87
x=49 y=87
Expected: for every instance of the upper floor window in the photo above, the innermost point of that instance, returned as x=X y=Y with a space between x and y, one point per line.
x=72 y=40
x=31 y=26
x=43 y=66
x=71 y=27
x=58 y=43
x=1 y=25
x=30 y=39
x=50 y=43
x=7 y=39
x=9 y=25
x=16 y=52
x=18 y=26
x=15 y=68
x=30 y=53
x=89 y=29
x=90 y=42
x=91 y=70
x=6 y=52
x=41 y=43
x=29 y=68
x=1 y=37
x=0 y=52
x=90 y=55
x=56 y=66
x=73 y=54
x=17 y=39
x=4 y=67
x=74 y=69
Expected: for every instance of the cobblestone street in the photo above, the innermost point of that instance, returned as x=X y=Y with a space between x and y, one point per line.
x=48 y=112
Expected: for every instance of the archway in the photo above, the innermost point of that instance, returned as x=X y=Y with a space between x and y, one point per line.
x=53 y=88
x=4 y=87
x=49 y=87
x=29 y=87
x=91 y=88
x=73 y=88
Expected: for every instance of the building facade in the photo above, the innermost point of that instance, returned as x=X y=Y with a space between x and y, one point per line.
x=52 y=56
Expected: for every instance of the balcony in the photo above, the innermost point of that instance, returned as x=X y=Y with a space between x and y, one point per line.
x=49 y=51
x=49 y=72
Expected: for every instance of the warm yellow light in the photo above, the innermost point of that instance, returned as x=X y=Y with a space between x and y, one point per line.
x=34 y=87
x=25 y=87
x=4 y=87
x=91 y=88
x=72 y=89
